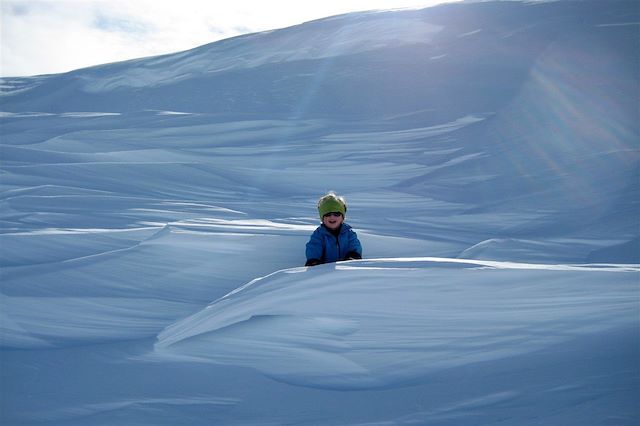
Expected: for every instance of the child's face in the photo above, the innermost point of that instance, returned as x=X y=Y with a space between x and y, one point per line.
x=332 y=220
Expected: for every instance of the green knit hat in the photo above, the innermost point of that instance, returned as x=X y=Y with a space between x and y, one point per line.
x=331 y=203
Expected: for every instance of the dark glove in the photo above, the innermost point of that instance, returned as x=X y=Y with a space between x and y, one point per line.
x=312 y=262
x=353 y=255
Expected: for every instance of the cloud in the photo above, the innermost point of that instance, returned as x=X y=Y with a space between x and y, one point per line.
x=111 y=24
x=51 y=36
x=46 y=36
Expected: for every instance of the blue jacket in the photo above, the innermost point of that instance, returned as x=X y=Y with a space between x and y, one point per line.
x=325 y=247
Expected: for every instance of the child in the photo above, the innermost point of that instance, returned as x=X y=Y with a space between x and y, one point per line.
x=334 y=240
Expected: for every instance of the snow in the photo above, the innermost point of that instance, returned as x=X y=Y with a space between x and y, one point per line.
x=337 y=326
x=253 y=51
x=155 y=214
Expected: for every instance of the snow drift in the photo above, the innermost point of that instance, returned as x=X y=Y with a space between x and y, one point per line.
x=489 y=153
x=381 y=323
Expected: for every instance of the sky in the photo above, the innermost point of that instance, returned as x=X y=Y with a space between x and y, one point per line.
x=53 y=36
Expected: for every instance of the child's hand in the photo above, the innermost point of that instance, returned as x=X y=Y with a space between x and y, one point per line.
x=354 y=255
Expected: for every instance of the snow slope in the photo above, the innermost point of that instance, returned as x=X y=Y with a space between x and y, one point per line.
x=154 y=215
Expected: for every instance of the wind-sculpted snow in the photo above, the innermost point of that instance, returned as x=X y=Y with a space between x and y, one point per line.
x=390 y=322
x=99 y=286
x=133 y=194
x=104 y=285
x=427 y=182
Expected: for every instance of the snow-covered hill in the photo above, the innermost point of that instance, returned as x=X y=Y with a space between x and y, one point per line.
x=489 y=153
